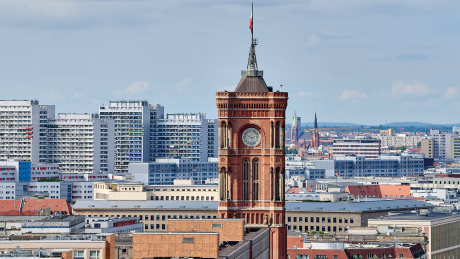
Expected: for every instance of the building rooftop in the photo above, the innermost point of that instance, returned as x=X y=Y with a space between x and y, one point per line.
x=376 y=205
x=414 y=216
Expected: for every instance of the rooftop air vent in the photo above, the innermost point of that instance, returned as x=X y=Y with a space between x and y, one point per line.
x=319 y=208
x=296 y=208
x=137 y=206
x=114 y=206
x=159 y=207
x=204 y=207
x=91 y=206
x=181 y=207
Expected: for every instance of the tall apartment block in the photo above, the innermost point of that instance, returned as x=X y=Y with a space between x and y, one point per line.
x=444 y=144
x=81 y=143
x=23 y=130
x=367 y=147
x=132 y=131
x=156 y=112
x=185 y=135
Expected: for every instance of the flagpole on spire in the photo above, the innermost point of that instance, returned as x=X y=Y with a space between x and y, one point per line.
x=252 y=23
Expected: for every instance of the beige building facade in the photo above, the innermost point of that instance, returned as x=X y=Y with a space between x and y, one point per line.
x=119 y=190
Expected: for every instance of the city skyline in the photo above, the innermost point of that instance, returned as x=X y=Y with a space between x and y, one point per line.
x=357 y=62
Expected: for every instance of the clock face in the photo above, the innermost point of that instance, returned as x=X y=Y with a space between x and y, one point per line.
x=251 y=137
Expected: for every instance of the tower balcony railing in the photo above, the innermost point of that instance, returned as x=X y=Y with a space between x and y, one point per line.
x=252 y=72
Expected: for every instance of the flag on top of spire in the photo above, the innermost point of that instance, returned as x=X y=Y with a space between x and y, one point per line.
x=250 y=23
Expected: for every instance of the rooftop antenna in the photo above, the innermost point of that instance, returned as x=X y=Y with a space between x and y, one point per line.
x=252 y=61
x=281 y=88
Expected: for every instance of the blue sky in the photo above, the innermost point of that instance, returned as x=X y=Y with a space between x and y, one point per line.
x=358 y=61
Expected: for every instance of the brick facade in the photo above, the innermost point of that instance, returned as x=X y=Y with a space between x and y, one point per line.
x=229 y=230
x=151 y=245
x=251 y=178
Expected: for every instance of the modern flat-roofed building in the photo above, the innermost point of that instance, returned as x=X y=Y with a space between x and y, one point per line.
x=197 y=238
x=99 y=246
x=165 y=171
x=24 y=129
x=427 y=148
x=399 y=140
x=81 y=143
x=366 y=147
x=54 y=225
x=113 y=225
x=132 y=131
x=300 y=216
x=384 y=165
x=185 y=135
x=442 y=230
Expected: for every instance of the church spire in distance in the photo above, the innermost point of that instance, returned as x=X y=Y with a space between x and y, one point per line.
x=315 y=126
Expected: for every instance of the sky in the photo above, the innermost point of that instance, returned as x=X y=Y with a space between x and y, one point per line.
x=357 y=61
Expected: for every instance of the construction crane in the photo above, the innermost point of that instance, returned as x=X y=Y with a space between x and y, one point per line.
x=338 y=128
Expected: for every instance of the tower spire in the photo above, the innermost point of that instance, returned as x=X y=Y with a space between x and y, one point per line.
x=316 y=122
x=252 y=60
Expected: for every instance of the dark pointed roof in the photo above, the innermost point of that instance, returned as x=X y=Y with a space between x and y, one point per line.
x=316 y=122
x=252 y=84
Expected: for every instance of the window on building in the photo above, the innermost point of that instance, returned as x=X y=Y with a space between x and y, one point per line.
x=78 y=254
x=94 y=254
x=188 y=240
x=255 y=178
x=246 y=179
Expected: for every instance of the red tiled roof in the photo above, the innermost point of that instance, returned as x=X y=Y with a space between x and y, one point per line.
x=379 y=191
x=35 y=205
x=294 y=190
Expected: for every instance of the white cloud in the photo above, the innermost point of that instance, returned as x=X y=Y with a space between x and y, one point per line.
x=451 y=92
x=184 y=86
x=53 y=95
x=78 y=95
x=186 y=81
x=401 y=88
x=333 y=39
x=304 y=94
x=351 y=95
x=137 y=87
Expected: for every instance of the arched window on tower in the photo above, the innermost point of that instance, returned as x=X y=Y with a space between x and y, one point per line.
x=255 y=179
x=246 y=179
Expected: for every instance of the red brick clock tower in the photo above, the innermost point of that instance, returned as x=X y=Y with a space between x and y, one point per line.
x=251 y=155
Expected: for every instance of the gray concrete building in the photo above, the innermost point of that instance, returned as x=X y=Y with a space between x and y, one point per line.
x=132 y=131
x=165 y=171
x=384 y=165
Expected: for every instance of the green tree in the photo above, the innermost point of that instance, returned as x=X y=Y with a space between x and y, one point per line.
x=419 y=144
x=401 y=148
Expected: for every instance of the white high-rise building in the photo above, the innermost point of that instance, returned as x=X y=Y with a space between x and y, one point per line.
x=157 y=112
x=81 y=143
x=24 y=130
x=185 y=135
x=442 y=143
x=132 y=131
